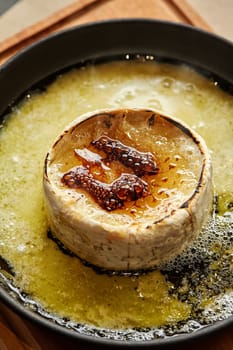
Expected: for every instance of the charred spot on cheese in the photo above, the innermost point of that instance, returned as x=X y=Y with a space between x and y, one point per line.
x=127 y=187
x=140 y=162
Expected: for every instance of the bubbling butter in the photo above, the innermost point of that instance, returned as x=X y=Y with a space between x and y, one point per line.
x=177 y=296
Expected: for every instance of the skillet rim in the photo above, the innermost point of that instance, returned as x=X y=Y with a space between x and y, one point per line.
x=222 y=48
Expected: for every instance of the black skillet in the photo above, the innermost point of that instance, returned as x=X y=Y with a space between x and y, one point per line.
x=209 y=54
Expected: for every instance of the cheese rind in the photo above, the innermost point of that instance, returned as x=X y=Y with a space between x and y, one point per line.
x=150 y=231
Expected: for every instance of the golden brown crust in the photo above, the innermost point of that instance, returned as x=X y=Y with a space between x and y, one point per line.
x=125 y=244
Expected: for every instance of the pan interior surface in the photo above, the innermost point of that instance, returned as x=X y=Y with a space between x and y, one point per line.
x=122 y=85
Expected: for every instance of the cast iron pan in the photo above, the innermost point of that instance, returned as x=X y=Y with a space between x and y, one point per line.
x=210 y=54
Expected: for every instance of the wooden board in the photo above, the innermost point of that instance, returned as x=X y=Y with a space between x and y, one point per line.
x=15 y=332
x=83 y=11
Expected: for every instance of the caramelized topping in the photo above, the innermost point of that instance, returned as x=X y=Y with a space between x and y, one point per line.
x=141 y=163
x=127 y=187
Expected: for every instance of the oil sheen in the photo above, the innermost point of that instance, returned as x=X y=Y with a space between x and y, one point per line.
x=193 y=290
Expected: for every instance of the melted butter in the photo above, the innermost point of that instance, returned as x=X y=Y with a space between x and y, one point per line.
x=62 y=284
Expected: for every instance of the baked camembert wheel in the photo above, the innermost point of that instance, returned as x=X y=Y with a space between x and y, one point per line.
x=127 y=189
